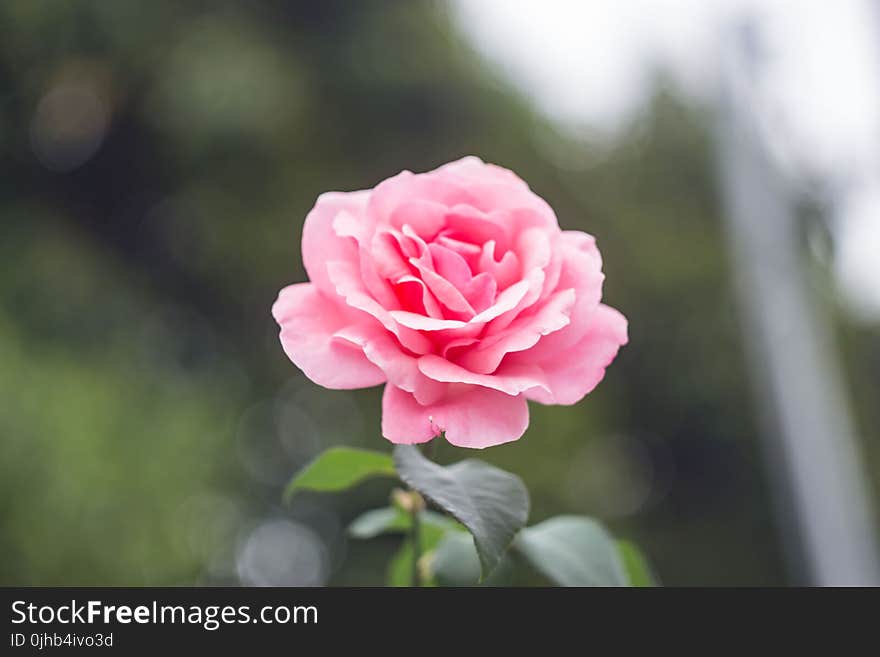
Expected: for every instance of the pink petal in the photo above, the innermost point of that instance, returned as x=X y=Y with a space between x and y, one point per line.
x=426 y=218
x=418 y=296
x=467 y=223
x=509 y=379
x=472 y=417
x=321 y=243
x=471 y=168
x=480 y=291
x=445 y=292
x=412 y=238
x=376 y=284
x=400 y=368
x=573 y=373
x=348 y=284
x=505 y=302
x=529 y=291
x=346 y=224
x=519 y=206
x=423 y=323
x=391 y=194
x=533 y=247
x=504 y=271
x=308 y=321
x=470 y=252
x=387 y=253
x=522 y=334
x=443 y=337
x=581 y=270
x=450 y=265
x=456 y=345
x=532 y=212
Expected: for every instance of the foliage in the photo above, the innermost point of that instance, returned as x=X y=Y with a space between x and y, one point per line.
x=492 y=507
x=339 y=468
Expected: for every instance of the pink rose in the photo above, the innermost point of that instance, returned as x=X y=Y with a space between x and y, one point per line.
x=458 y=290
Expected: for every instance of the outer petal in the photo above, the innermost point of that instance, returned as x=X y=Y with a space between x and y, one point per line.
x=470 y=168
x=574 y=372
x=320 y=241
x=308 y=321
x=496 y=188
x=581 y=270
x=393 y=193
x=471 y=416
x=402 y=370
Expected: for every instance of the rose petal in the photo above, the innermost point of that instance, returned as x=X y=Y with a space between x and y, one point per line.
x=470 y=252
x=346 y=224
x=533 y=247
x=391 y=194
x=423 y=323
x=582 y=270
x=471 y=416
x=480 y=291
x=516 y=207
x=400 y=368
x=321 y=243
x=445 y=292
x=308 y=321
x=522 y=334
x=469 y=224
x=388 y=256
x=529 y=291
x=415 y=290
x=456 y=345
x=470 y=168
x=376 y=284
x=575 y=372
x=426 y=218
x=504 y=271
x=505 y=302
x=509 y=379
x=418 y=244
x=450 y=266
x=346 y=279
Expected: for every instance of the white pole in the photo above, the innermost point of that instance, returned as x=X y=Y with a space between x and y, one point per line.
x=812 y=446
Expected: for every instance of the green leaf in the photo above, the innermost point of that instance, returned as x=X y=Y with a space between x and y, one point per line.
x=455 y=563
x=636 y=566
x=391 y=520
x=379 y=521
x=339 y=468
x=491 y=503
x=573 y=551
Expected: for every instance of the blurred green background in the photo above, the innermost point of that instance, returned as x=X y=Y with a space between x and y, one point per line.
x=157 y=162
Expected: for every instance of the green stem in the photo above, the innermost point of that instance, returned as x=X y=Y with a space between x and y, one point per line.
x=429 y=450
x=416 y=538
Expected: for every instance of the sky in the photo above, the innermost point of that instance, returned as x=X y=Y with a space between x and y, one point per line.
x=589 y=62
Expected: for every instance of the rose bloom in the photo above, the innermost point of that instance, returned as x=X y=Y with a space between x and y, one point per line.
x=457 y=289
